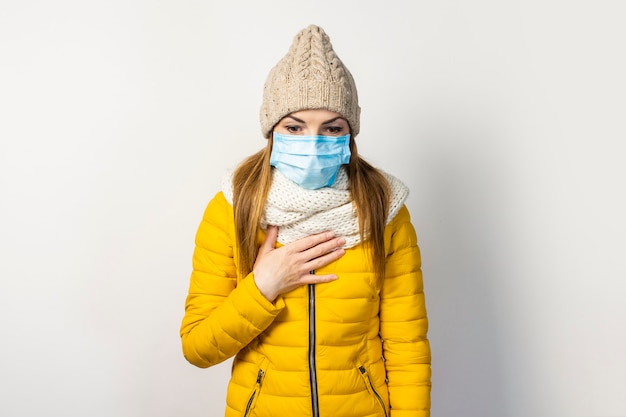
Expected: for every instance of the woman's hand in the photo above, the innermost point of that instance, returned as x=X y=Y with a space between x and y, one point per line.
x=277 y=271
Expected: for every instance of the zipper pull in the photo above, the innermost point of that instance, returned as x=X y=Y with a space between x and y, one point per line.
x=260 y=377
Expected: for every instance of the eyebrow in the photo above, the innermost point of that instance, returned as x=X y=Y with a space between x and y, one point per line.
x=332 y=120
x=324 y=123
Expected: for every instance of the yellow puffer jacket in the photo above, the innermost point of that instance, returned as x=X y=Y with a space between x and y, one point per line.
x=318 y=350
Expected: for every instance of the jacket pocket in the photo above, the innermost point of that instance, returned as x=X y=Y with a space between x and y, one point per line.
x=252 y=398
x=372 y=390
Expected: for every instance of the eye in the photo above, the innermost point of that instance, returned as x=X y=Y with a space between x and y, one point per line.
x=335 y=130
x=292 y=128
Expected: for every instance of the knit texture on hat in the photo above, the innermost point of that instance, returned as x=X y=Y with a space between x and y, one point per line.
x=310 y=76
x=299 y=212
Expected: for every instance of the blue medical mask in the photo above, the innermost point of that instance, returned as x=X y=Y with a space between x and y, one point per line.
x=310 y=161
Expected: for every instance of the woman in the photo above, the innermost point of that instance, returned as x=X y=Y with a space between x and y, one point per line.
x=306 y=267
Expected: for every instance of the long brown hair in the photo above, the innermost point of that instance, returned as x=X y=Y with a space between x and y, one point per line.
x=251 y=184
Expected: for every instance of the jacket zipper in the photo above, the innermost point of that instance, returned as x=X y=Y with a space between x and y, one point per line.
x=368 y=381
x=312 y=365
x=257 y=387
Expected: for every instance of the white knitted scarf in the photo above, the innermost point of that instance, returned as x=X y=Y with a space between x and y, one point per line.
x=299 y=212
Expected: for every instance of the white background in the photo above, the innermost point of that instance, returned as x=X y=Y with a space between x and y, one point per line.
x=505 y=118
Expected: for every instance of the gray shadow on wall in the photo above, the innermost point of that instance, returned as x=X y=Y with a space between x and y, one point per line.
x=464 y=194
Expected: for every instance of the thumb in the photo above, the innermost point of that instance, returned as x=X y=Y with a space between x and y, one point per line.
x=271 y=235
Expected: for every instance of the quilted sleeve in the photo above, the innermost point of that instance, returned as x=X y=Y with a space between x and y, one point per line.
x=221 y=315
x=404 y=324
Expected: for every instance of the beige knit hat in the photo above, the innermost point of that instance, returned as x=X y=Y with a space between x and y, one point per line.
x=310 y=76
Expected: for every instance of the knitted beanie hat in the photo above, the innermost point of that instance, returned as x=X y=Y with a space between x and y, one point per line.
x=310 y=76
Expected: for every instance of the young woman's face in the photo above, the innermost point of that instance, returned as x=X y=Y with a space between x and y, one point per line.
x=313 y=122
